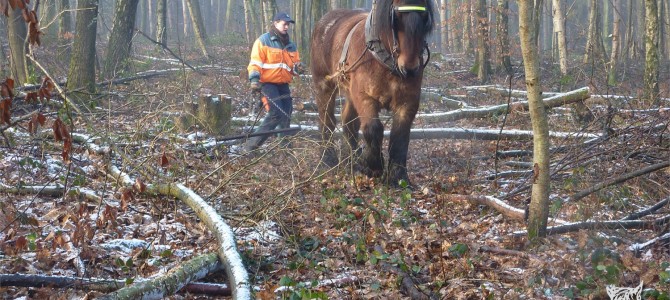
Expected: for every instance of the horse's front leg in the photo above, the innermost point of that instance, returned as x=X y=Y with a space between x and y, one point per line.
x=372 y=160
x=399 y=143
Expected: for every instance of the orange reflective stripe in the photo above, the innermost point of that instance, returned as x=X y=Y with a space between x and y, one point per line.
x=266 y=103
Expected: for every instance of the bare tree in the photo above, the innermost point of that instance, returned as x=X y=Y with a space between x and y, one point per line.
x=594 y=46
x=616 y=34
x=161 y=22
x=559 y=30
x=198 y=25
x=483 y=57
x=502 y=37
x=444 y=26
x=651 y=60
x=529 y=23
x=17 y=32
x=81 y=76
x=120 y=41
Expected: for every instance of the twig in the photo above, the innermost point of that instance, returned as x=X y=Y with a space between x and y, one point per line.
x=60 y=90
x=619 y=179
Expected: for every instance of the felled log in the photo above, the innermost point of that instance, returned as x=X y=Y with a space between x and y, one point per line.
x=469 y=113
x=170 y=283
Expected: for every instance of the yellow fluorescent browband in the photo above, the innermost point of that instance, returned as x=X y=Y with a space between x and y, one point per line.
x=410 y=8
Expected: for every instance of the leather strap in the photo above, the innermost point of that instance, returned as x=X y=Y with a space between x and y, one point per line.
x=345 y=49
x=374 y=43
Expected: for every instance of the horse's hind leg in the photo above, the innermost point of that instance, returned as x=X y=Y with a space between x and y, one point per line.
x=351 y=124
x=325 y=99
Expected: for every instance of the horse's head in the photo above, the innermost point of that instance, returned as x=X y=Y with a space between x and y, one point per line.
x=412 y=21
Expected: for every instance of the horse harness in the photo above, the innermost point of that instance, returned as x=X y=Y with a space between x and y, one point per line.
x=374 y=44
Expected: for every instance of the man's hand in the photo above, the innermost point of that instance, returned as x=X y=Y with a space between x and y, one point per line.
x=255 y=87
x=299 y=68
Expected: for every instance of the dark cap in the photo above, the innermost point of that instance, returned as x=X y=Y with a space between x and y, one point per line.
x=282 y=16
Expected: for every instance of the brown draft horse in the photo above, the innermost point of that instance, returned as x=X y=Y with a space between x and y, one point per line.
x=382 y=67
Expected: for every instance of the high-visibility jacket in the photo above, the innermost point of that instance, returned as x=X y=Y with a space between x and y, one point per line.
x=271 y=62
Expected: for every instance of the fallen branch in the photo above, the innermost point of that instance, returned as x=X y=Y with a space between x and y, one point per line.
x=170 y=283
x=647 y=211
x=345 y=279
x=502 y=251
x=499 y=205
x=474 y=134
x=228 y=254
x=641 y=246
x=230 y=258
x=619 y=179
x=555 y=101
x=604 y=225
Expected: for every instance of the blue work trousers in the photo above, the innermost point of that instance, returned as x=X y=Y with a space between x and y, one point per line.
x=279 y=114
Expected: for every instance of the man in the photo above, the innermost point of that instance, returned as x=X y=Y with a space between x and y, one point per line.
x=274 y=62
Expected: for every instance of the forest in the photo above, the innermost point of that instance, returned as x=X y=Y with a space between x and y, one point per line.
x=538 y=161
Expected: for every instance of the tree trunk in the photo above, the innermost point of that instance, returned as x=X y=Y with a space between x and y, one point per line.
x=616 y=32
x=444 y=27
x=229 y=13
x=559 y=30
x=467 y=28
x=483 y=42
x=539 y=204
x=651 y=61
x=161 y=22
x=666 y=26
x=121 y=38
x=247 y=22
x=502 y=37
x=455 y=25
x=17 y=33
x=593 y=41
x=81 y=76
x=186 y=17
x=268 y=13
x=198 y=25
x=4 y=66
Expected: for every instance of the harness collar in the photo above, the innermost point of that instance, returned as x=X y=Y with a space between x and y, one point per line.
x=376 y=47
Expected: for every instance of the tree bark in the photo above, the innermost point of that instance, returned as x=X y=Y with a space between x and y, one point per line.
x=120 y=41
x=483 y=42
x=614 y=55
x=539 y=206
x=651 y=61
x=81 y=76
x=594 y=44
x=161 y=23
x=17 y=33
x=198 y=25
x=456 y=30
x=502 y=30
x=444 y=27
x=559 y=30
x=467 y=26
x=248 y=29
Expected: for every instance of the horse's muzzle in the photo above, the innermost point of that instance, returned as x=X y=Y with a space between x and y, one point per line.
x=408 y=72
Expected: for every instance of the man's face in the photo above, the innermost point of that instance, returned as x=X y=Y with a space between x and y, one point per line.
x=282 y=26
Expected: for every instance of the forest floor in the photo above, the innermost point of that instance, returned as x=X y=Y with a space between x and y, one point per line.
x=343 y=235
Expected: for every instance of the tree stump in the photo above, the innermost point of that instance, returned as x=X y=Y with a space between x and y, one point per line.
x=212 y=114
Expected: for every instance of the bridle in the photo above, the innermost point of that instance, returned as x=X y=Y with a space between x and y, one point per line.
x=376 y=47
